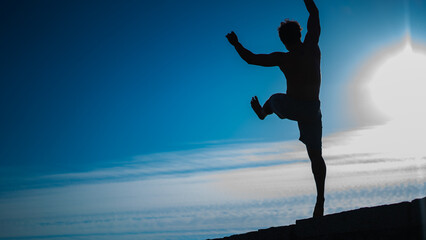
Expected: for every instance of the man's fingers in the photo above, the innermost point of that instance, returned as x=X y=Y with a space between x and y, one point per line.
x=230 y=34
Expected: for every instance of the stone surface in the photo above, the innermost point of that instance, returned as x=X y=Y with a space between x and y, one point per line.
x=406 y=220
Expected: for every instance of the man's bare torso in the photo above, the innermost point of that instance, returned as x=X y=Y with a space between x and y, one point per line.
x=301 y=68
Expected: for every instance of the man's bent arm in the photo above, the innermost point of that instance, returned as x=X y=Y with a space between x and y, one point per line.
x=265 y=60
x=312 y=36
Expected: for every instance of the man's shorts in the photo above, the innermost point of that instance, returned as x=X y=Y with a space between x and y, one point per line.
x=306 y=113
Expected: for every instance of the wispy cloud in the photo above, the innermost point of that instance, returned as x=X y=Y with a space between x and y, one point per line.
x=367 y=150
x=209 y=159
x=221 y=189
x=193 y=221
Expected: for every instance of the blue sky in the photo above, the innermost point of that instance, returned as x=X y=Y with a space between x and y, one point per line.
x=88 y=82
x=118 y=95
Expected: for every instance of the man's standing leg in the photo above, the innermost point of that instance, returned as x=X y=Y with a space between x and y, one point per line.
x=319 y=170
x=311 y=136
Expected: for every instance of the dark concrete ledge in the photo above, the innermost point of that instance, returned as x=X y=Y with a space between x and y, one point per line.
x=400 y=221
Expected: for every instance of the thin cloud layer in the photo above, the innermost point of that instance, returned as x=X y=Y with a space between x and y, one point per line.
x=214 y=191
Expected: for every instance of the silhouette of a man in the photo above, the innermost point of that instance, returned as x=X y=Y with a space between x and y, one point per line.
x=301 y=67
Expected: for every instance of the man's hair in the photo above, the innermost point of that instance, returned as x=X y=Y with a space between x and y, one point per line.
x=290 y=31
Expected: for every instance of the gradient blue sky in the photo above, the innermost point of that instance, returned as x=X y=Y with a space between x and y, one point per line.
x=90 y=85
x=86 y=83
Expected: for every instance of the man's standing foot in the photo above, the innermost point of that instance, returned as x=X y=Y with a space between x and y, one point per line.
x=257 y=108
x=319 y=208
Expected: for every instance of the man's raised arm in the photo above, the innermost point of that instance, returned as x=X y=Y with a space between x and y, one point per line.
x=312 y=36
x=265 y=60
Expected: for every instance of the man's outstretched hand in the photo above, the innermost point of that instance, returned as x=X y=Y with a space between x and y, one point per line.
x=232 y=38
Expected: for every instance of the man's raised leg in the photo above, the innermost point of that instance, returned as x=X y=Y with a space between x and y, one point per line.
x=319 y=170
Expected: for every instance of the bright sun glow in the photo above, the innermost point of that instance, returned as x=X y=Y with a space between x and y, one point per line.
x=397 y=88
x=398 y=85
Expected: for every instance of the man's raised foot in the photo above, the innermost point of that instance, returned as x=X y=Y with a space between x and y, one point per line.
x=257 y=108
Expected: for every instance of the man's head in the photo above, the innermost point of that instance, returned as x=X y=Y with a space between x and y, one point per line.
x=290 y=33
